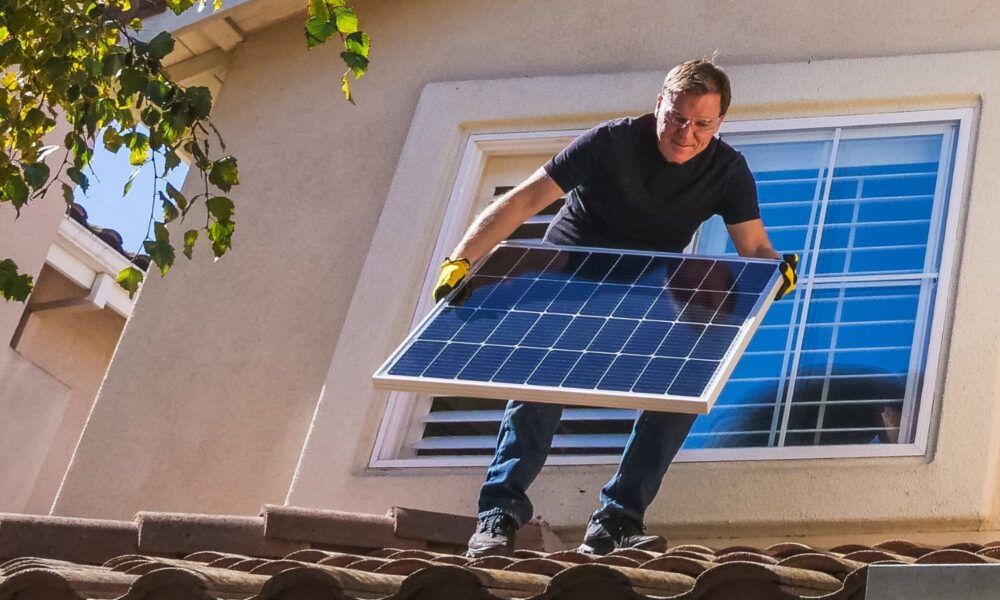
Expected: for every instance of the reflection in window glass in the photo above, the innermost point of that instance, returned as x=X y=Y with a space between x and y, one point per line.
x=842 y=360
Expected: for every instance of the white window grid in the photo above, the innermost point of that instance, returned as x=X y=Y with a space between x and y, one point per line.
x=406 y=412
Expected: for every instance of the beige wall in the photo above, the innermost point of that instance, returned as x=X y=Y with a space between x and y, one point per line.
x=321 y=282
x=36 y=395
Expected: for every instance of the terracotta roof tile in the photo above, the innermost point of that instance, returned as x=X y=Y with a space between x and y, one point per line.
x=239 y=560
x=179 y=533
x=89 y=541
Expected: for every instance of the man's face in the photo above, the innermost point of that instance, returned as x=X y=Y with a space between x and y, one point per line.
x=685 y=124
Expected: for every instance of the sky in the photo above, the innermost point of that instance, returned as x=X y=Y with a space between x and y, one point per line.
x=128 y=215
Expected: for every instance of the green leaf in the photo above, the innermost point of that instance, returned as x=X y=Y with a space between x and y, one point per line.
x=319 y=9
x=179 y=6
x=67 y=194
x=221 y=234
x=138 y=144
x=130 y=278
x=77 y=177
x=347 y=21
x=171 y=160
x=190 y=237
x=345 y=86
x=170 y=211
x=177 y=197
x=112 y=140
x=150 y=116
x=199 y=102
x=131 y=178
x=131 y=81
x=161 y=253
x=220 y=207
x=160 y=232
x=16 y=190
x=358 y=42
x=224 y=174
x=318 y=31
x=36 y=174
x=161 y=45
x=357 y=63
x=13 y=285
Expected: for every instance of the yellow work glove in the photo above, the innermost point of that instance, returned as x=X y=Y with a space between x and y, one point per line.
x=453 y=273
x=787 y=268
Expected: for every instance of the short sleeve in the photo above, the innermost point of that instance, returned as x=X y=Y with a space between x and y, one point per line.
x=571 y=167
x=739 y=202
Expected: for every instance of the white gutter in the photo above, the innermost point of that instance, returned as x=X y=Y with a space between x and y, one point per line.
x=89 y=262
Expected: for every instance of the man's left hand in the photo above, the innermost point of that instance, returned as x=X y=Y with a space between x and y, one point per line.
x=790 y=263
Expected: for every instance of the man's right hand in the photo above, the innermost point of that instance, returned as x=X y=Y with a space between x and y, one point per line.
x=453 y=273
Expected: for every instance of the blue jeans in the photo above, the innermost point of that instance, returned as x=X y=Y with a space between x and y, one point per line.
x=524 y=442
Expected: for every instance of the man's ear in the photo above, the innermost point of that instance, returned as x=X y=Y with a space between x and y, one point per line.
x=659 y=100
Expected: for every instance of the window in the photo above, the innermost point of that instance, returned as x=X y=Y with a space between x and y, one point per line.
x=846 y=365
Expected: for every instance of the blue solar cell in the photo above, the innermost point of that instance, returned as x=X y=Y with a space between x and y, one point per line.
x=533 y=263
x=681 y=340
x=627 y=270
x=506 y=295
x=588 y=370
x=613 y=335
x=596 y=267
x=604 y=300
x=693 y=378
x=563 y=265
x=572 y=297
x=414 y=361
x=623 y=373
x=450 y=361
x=735 y=309
x=580 y=333
x=446 y=324
x=554 y=367
x=501 y=261
x=722 y=276
x=589 y=320
x=659 y=271
x=546 y=331
x=512 y=329
x=540 y=295
x=475 y=292
x=519 y=366
x=659 y=374
x=636 y=302
x=754 y=278
x=702 y=307
x=691 y=273
x=485 y=363
x=712 y=344
x=479 y=327
x=669 y=304
x=647 y=338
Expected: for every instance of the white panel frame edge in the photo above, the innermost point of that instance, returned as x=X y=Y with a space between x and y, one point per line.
x=395 y=429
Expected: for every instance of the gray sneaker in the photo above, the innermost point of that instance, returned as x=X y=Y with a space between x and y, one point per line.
x=495 y=536
x=605 y=534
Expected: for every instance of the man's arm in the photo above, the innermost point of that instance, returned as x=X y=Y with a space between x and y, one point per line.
x=505 y=215
x=751 y=240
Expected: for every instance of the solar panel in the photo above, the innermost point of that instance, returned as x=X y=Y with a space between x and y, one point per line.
x=589 y=326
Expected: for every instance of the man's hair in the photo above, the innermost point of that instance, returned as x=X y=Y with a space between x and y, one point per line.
x=699 y=77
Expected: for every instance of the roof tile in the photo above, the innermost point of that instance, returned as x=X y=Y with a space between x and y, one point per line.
x=89 y=541
x=180 y=534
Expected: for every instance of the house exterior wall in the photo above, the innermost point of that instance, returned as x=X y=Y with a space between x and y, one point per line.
x=32 y=400
x=339 y=211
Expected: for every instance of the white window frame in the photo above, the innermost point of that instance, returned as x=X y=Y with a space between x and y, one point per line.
x=396 y=430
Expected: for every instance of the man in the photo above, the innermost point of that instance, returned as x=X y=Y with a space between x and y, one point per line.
x=640 y=183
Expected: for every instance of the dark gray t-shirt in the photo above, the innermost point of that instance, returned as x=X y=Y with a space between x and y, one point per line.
x=622 y=193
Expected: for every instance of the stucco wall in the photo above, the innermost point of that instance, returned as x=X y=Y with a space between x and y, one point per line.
x=242 y=348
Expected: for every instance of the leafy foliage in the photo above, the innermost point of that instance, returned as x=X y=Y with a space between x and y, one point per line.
x=79 y=61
